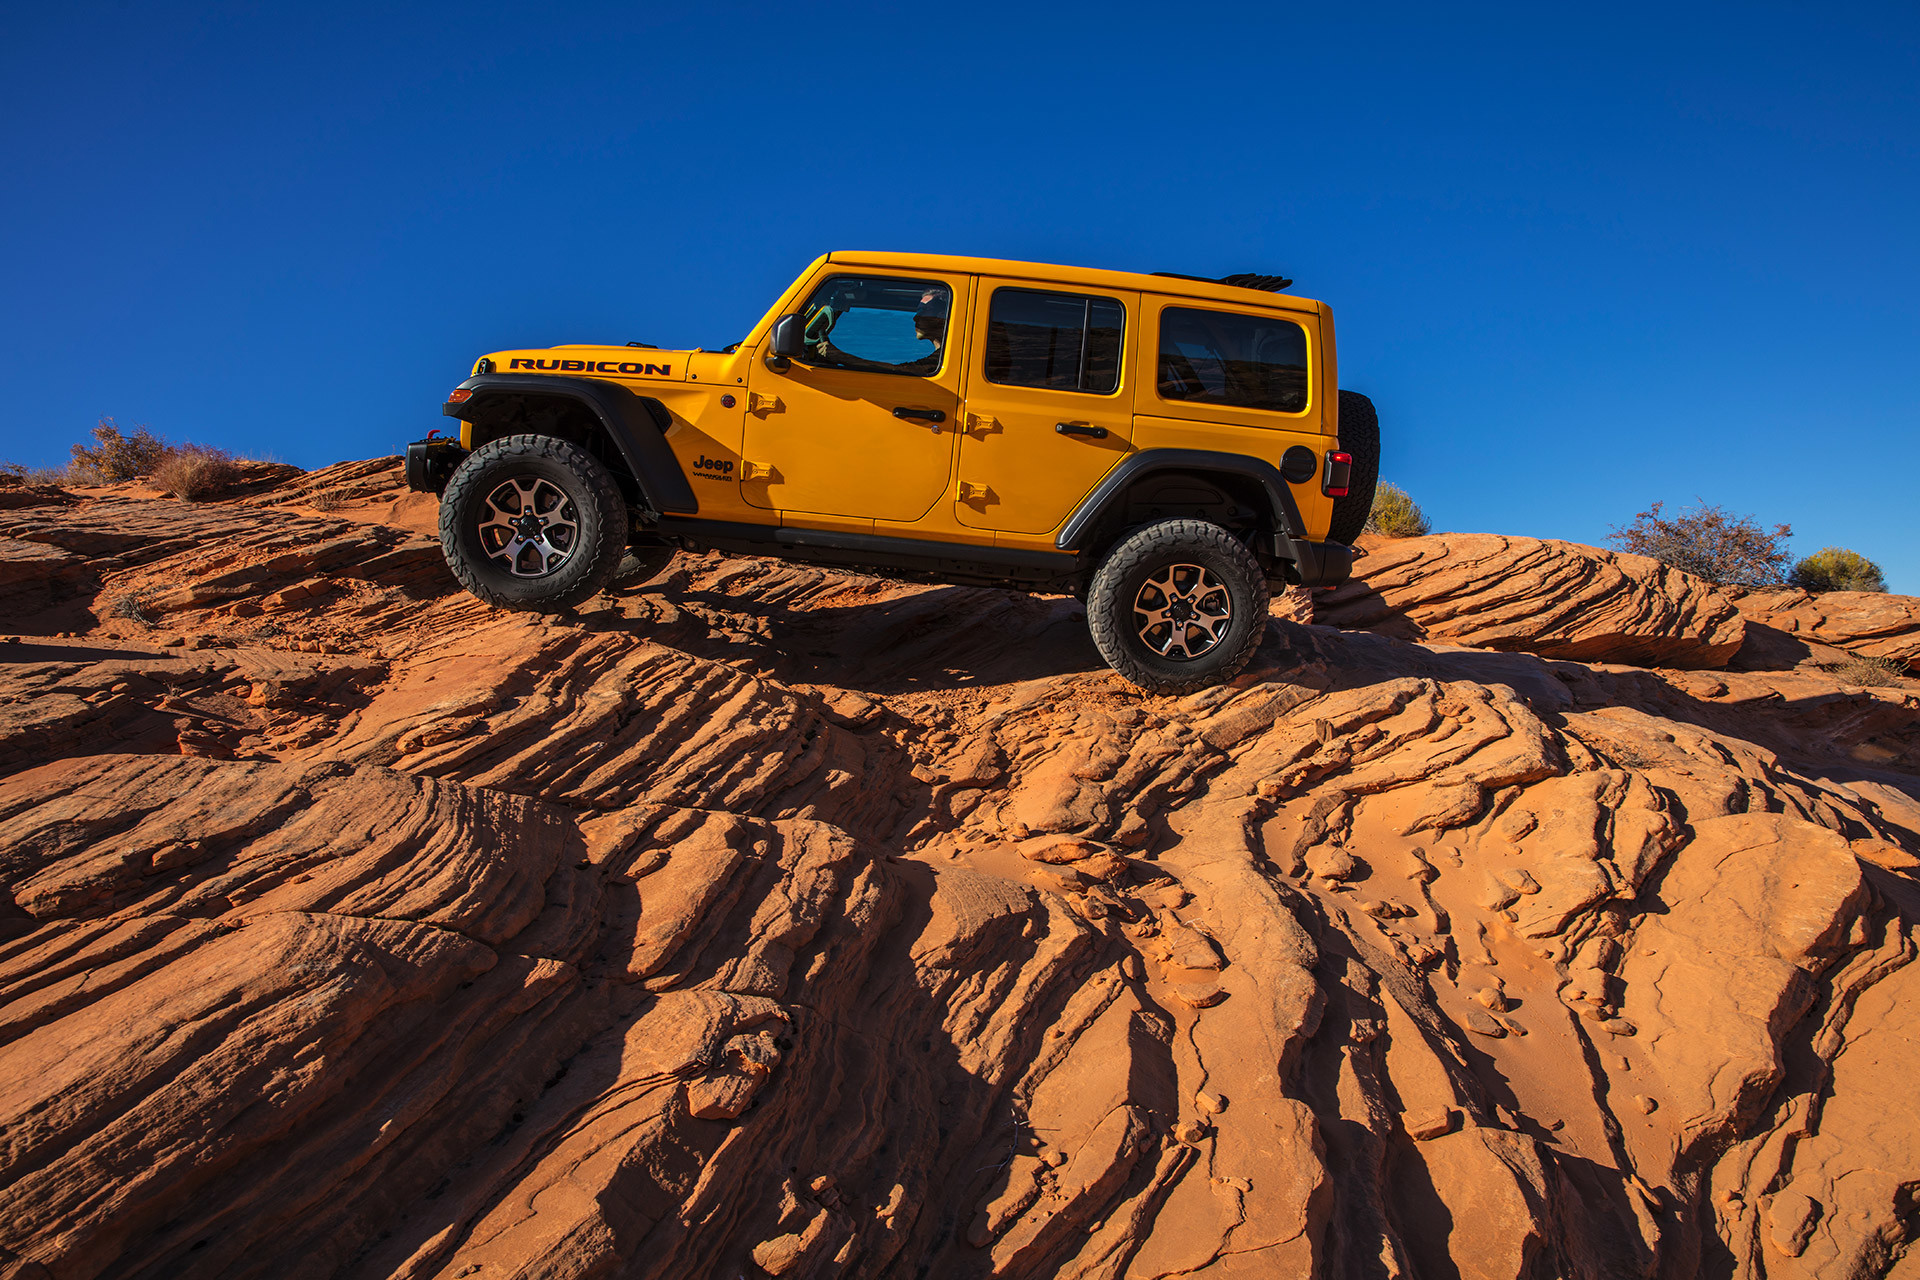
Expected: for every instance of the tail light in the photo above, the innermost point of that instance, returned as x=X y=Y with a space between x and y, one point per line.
x=1338 y=475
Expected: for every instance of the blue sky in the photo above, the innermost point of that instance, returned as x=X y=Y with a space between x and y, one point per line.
x=1584 y=258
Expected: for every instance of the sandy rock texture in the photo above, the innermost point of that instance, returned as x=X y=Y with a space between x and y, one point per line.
x=759 y=920
x=1873 y=623
x=1533 y=595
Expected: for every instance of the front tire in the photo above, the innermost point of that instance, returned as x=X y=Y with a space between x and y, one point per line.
x=533 y=522
x=1178 y=605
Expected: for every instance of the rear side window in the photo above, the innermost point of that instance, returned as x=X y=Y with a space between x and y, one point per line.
x=1219 y=357
x=1060 y=341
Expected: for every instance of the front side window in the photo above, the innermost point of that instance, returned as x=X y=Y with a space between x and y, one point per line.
x=1061 y=341
x=1219 y=357
x=877 y=325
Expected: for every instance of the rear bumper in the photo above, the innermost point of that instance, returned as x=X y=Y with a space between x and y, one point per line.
x=431 y=463
x=1318 y=564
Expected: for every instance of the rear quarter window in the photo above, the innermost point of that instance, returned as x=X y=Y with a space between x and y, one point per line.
x=1226 y=358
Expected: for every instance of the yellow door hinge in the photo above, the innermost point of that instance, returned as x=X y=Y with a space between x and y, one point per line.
x=982 y=424
x=758 y=471
x=971 y=492
x=761 y=402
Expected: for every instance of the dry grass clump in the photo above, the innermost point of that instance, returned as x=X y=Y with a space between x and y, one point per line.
x=15 y=473
x=1396 y=515
x=1837 y=569
x=132 y=606
x=196 y=471
x=1864 y=669
x=116 y=456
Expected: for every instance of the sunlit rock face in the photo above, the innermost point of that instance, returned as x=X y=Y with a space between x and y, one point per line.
x=760 y=920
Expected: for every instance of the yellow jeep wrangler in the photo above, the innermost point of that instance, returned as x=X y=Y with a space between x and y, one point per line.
x=1163 y=447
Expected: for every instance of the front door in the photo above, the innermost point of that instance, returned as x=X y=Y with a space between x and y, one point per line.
x=862 y=425
x=1049 y=410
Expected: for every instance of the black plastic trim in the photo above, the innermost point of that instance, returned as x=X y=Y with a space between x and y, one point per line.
x=636 y=424
x=1081 y=525
x=941 y=561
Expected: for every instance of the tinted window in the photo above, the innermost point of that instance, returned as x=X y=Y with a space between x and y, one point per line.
x=877 y=325
x=1057 y=340
x=1216 y=357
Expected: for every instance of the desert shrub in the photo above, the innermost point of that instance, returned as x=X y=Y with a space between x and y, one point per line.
x=1864 y=669
x=1395 y=514
x=116 y=456
x=195 y=472
x=1708 y=542
x=133 y=605
x=1837 y=569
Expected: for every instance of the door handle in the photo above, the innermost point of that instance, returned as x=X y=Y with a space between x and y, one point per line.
x=1086 y=429
x=924 y=415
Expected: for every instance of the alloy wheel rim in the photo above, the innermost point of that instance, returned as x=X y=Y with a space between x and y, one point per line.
x=528 y=524
x=1182 y=611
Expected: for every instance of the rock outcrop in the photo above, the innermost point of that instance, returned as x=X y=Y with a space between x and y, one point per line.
x=1872 y=623
x=760 y=920
x=1534 y=595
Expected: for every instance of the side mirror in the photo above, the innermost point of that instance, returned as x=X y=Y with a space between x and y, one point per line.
x=784 y=344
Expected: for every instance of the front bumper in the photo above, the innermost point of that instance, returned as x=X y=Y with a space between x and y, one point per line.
x=431 y=463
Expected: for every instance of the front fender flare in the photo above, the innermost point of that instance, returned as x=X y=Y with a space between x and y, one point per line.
x=636 y=424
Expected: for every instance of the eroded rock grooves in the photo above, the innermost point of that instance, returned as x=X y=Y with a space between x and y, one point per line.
x=762 y=920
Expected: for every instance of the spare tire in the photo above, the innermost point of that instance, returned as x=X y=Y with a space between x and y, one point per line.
x=1359 y=436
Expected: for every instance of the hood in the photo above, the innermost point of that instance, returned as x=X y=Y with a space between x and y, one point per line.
x=645 y=364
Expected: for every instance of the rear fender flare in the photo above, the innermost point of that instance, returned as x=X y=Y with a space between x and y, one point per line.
x=1084 y=524
x=636 y=425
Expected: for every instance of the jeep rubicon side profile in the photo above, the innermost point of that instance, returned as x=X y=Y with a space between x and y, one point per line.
x=1166 y=448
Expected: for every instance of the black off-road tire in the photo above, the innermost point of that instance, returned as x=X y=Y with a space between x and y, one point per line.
x=569 y=487
x=1131 y=589
x=641 y=565
x=1359 y=436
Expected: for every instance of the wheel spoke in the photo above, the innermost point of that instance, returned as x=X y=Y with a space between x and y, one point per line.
x=1182 y=611
x=528 y=523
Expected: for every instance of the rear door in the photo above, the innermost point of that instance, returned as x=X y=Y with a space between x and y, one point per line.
x=1048 y=401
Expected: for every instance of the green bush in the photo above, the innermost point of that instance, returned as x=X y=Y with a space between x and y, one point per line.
x=1837 y=569
x=1395 y=514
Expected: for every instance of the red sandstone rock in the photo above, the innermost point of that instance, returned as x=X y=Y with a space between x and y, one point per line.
x=768 y=921
x=1873 y=623
x=1534 y=595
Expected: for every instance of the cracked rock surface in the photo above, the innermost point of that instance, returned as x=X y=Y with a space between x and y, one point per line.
x=761 y=920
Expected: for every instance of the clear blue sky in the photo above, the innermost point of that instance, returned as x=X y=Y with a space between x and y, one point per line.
x=1583 y=257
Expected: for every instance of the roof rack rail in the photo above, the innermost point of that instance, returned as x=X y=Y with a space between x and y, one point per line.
x=1244 y=280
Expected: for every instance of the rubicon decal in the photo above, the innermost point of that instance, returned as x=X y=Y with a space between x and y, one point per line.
x=590 y=366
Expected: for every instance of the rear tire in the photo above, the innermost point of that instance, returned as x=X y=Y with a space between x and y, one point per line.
x=533 y=522
x=1359 y=436
x=1178 y=605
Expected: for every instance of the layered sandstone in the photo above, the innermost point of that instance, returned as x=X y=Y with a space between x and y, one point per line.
x=1535 y=595
x=1873 y=623
x=766 y=921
